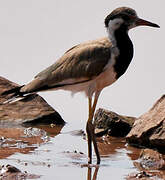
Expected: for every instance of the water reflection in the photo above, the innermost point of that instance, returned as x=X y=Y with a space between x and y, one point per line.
x=45 y=153
x=89 y=174
x=110 y=145
x=18 y=139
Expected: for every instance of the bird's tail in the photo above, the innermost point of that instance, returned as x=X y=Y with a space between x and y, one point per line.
x=14 y=92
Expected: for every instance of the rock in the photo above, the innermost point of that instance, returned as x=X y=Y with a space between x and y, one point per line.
x=149 y=129
x=31 y=109
x=10 y=172
x=142 y=175
x=150 y=164
x=108 y=122
x=151 y=159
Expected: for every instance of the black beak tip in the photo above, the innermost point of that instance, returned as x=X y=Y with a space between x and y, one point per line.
x=155 y=25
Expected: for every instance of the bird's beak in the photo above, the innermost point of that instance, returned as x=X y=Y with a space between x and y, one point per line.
x=142 y=22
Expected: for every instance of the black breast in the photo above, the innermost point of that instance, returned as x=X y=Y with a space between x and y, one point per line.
x=126 y=51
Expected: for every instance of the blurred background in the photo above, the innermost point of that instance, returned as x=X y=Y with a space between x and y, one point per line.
x=35 y=33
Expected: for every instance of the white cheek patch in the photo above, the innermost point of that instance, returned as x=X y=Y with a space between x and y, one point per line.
x=115 y=24
x=112 y=26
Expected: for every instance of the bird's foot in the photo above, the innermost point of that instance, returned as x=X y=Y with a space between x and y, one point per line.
x=90 y=165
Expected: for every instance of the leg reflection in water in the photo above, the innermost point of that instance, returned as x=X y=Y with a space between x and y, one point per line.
x=89 y=176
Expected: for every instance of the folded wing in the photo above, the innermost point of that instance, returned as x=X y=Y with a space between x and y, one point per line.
x=79 y=64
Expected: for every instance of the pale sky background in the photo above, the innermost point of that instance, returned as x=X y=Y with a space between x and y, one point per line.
x=35 y=33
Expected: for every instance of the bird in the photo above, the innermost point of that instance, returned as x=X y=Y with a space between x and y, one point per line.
x=91 y=66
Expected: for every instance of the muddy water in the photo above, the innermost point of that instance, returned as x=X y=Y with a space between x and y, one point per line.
x=58 y=154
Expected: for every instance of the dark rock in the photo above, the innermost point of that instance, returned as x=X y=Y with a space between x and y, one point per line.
x=149 y=129
x=31 y=109
x=108 y=122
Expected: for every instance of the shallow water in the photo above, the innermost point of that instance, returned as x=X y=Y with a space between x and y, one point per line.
x=59 y=154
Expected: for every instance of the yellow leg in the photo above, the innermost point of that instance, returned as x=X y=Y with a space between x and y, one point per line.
x=90 y=129
x=95 y=173
x=89 y=175
x=93 y=133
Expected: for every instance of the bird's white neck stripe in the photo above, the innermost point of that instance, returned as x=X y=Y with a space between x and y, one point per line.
x=113 y=25
x=111 y=37
x=114 y=48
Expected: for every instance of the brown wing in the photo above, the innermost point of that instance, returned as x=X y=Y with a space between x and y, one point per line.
x=86 y=61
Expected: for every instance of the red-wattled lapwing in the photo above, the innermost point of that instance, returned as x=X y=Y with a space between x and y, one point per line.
x=91 y=66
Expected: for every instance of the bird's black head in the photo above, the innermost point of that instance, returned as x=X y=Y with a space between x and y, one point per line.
x=125 y=17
